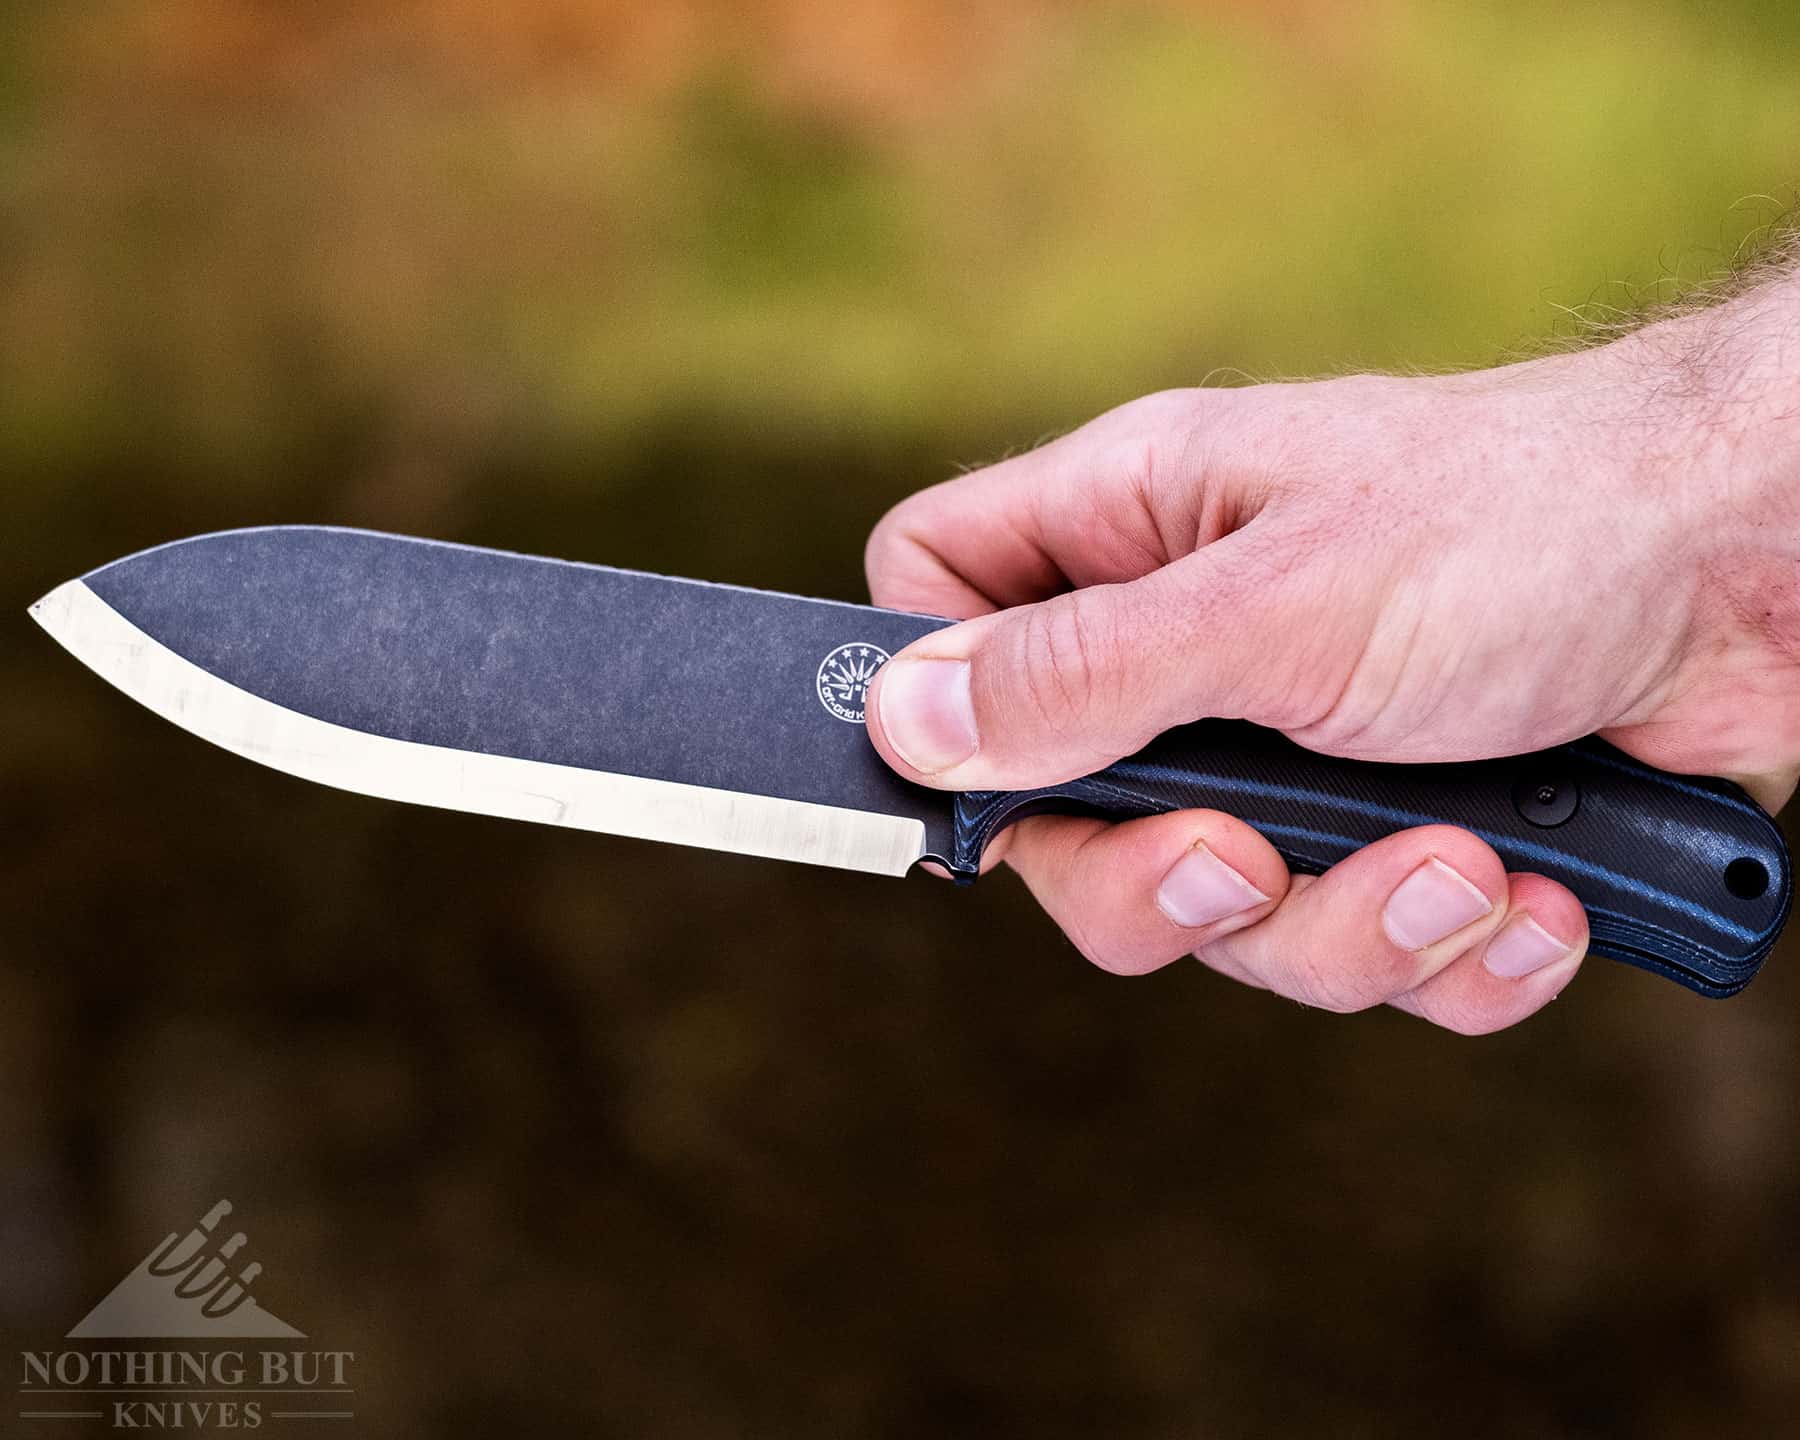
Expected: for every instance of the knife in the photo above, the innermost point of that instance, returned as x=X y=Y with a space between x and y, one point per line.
x=716 y=715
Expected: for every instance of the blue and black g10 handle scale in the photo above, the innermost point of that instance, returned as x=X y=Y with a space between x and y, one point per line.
x=1685 y=877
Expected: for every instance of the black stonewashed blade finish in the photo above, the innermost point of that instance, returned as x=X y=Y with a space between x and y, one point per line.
x=717 y=715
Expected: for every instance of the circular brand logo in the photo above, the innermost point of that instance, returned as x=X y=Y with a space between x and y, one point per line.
x=844 y=676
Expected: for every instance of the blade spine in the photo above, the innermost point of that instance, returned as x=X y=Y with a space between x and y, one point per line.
x=77 y=594
x=491 y=550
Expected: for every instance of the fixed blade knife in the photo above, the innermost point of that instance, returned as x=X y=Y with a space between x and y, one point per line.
x=716 y=715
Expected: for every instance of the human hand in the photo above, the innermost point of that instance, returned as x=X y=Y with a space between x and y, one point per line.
x=1383 y=568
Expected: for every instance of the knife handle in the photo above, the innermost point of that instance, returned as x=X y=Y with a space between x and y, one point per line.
x=1684 y=877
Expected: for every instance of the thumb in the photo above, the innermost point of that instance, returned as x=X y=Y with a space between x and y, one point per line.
x=1043 y=693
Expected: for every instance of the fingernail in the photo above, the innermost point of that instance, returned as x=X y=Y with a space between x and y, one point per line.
x=1432 y=902
x=1201 y=888
x=927 y=713
x=1522 y=946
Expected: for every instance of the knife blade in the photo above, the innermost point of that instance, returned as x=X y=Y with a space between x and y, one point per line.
x=721 y=716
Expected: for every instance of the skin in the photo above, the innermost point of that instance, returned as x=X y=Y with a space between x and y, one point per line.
x=1387 y=568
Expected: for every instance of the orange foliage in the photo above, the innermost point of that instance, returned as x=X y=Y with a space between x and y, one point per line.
x=878 y=59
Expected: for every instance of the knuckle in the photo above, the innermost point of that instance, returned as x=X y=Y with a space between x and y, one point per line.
x=1175 y=447
x=1065 y=662
x=1467 y=1015
x=889 y=540
x=1117 y=962
x=1346 y=984
x=1290 y=590
x=1311 y=977
x=1106 y=953
x=1173 y=413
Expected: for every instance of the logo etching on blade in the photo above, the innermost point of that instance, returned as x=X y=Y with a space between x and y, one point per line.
x=843 y=680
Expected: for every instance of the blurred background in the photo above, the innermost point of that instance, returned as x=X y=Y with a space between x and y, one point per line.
x=567 y=1134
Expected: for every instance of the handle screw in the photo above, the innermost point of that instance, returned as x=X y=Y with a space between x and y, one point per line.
x=1545 y=803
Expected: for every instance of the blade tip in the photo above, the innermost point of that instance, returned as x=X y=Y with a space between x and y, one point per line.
x=51 y=611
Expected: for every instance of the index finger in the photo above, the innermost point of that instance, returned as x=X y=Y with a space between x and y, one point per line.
x=1108 y=502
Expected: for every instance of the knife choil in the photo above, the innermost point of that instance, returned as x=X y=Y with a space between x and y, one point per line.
x=716 y=715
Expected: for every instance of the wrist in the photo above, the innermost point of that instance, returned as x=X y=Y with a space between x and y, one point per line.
x=1720 y=390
